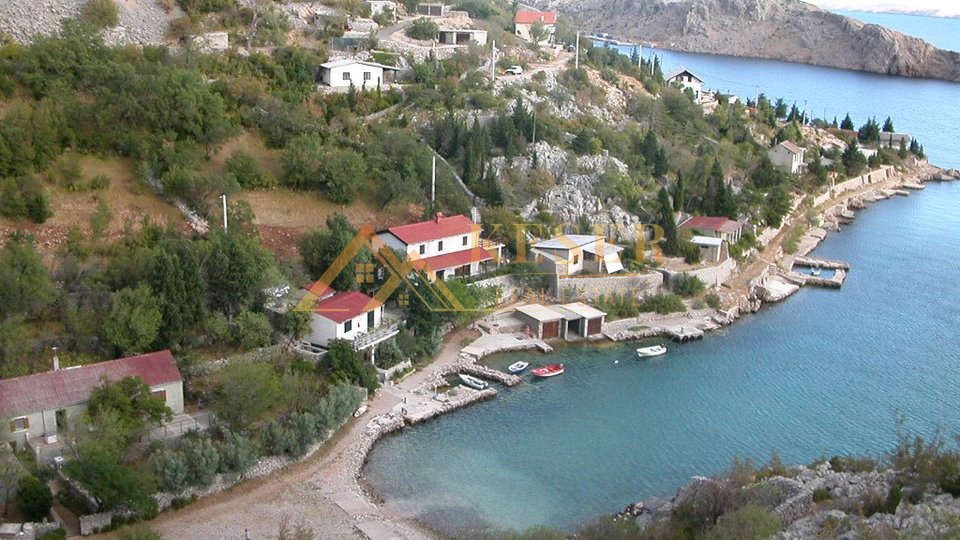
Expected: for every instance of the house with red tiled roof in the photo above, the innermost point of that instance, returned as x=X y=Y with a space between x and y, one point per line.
x=444 y=247
x=524 y=20
x=351 y=316
x=716 y=227
x=788 y=155
x=41 y=405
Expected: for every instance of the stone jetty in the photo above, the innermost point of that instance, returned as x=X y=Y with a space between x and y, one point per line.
x=821 y=263
x=484 y=372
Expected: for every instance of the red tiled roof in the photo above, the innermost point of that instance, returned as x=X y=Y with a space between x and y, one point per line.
x=320 y=289
x=70 y=386
x=345 y=306
x=453 y=260
x=530 y=17
x=706 y=223
x=435 y=229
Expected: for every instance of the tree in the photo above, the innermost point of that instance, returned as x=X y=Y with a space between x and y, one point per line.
x=423 y=29
x=847 y=123
x=245 y=393
x=202 y=459
x=237 y=453
x=234 y=269
x=100 y=13
x=171 y=471
x=133 y=324
x=244 y=167
x=777 y=204
x=679 y=193
x=538 y=31
x=178 y=287
x=869 y=132
x=320 y=249
x=888 y=126
x=348 y=366
x=25 y=286
x=341 y=173
x=667 y=221
x=34 y=498
x=853 y=159
x=132 y=401
x=100 y=219
x=780 y=108
x=252 y=330
x=302 y=160
x=113 y=485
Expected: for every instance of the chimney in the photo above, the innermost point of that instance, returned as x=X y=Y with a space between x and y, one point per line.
x=439 y=216
x=56 y=360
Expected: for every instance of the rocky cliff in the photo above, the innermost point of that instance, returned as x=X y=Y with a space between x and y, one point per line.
x=777 y=29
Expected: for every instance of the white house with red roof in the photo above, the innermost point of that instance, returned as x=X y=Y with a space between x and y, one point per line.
x=352 y=316
x=716 y=227
x=524 y=20
x=41 y=405
x=444 y=247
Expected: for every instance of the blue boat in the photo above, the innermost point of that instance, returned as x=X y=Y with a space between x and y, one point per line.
x=517 y=367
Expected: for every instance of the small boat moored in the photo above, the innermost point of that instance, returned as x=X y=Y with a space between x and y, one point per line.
x=517 y=367
x=359 y=412
x=815 y=271
x=548 y=371
x=474 y=382
x=656 y=350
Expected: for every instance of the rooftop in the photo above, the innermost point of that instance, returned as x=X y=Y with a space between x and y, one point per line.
x=583 y=310
x=350 y=62
x=435 y=229
x=345 y=305
x=793 y=148
x=540 y=313
x=570 y=241
x=712 y=223
x=70 y=386
x=452 y=260
x=680 y=71
x=525 y=16
x=707 y=241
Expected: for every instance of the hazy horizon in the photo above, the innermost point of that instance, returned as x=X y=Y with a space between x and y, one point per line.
x=939 y=8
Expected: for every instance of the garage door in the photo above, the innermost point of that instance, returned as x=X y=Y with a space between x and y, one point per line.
x=593 y=327
x=551 y=329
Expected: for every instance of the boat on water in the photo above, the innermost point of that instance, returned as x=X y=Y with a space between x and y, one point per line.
x=815 y=271
x=656 y=350
x=359 y=412
x=473 y=382
x=548 y=371
x=518 y=367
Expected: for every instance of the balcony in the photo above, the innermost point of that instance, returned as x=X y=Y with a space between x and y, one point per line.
x=386 y=330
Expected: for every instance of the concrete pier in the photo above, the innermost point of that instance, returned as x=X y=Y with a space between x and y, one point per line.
x=913 y=186
x=821 y=263
x=684 y=333
x=490 y=374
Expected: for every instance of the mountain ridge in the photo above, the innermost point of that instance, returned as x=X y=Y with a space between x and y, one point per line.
x=788 y=30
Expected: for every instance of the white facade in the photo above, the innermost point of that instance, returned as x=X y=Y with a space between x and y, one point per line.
x=462 y=36
x=324 y=330
x=573 y=253
x=685 y=79
x=361 y=75
x=788 y=156
x=381 y=6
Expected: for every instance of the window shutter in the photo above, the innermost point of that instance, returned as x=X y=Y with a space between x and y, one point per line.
x=26 y=422
x=13 y=426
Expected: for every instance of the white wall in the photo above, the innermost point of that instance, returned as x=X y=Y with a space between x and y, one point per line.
x=451 y=244
x=355 y=72
x=323 y=330
x=523 y=32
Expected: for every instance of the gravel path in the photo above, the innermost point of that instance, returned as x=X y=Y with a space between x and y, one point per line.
x=141 y=21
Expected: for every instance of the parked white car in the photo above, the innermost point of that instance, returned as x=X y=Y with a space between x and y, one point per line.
x=514 y=70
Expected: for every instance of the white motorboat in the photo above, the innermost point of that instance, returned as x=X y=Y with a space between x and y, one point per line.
x=473 y=382
x=518 y=367
x=656 y=350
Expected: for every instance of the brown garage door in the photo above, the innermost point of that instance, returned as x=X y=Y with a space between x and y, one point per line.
x=551 y=329
x=593 y=327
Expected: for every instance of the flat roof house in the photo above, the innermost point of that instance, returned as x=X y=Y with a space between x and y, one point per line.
x=571 y=254
x=566 y=321
x=462 y=36
x=444 y=247
x=343 y=73
x=39 y=406
x=431 y=9
x=524 y=20
x=788 y=156
x=685 y=78
x=712 y=249
x=717 y=227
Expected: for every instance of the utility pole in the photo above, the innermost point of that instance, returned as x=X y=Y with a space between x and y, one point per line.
x=493 y=60
x=224 y=198
x=534 y=124
x=433 y=183
x=576 y=54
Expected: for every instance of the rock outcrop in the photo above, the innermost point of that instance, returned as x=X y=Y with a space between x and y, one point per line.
x=788 y=30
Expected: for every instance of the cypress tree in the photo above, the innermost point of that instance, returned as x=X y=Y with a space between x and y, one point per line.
x=679 y=193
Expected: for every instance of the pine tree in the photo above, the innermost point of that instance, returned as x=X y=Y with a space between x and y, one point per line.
x=679 y=193
x=847 y=123
x=667 y=221
x=888 y=126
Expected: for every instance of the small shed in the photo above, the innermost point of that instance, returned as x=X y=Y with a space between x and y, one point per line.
x=580 y=319
x=462 y=36
x=711 y=249
x=544 y=323
x=432 y=9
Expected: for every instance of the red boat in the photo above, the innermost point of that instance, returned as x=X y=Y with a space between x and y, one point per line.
x=548 y=371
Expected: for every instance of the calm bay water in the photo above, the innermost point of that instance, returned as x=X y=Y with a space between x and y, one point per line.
x=941 y=32
x=824 y=373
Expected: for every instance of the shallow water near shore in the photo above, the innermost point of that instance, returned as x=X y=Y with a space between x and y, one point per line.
x=824 y=373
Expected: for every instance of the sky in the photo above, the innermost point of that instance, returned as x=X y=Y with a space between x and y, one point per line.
x=943 y=8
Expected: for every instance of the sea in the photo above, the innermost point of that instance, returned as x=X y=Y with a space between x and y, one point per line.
x=824 y=373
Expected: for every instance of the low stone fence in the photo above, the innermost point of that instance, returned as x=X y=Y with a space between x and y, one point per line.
x=94 y=523
x=509 y=289
x=384 y=375
x=28 y=531
x=710 y=275
x=78 y=492
x=573 y=288
x=882 y=174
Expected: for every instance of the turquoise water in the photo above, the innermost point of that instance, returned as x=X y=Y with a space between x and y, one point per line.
x=939 y=31
x=823 y=373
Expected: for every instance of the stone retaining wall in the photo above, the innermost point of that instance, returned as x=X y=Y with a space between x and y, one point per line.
x=712 y=276
x=884 y=173
x=93 y=523
x=575 y=288
x=384 y=375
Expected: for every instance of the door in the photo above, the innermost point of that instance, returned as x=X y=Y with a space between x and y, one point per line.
x=593 y=327
x=61 y=416
x=551 y=329
x=371 y=319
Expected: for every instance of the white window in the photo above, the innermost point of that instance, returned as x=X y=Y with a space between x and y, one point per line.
x=440 y=245
x=346 y=75
x=20 y=424
x=347 y=326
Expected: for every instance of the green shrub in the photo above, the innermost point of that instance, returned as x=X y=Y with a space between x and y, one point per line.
x=100 y=182
x=252 y=330
x=751 y=521
x=423 y=29
x=171 y=470
x=139 y=531
x=237 y=453
x=713 y=300
x=59 y=534
x=662 y=303
x=303 y=430
x=277 y=440
x=686 y=285
x=852 y=464
x=245 y=169
x=202 y=460
x=34 y=498
x=100 y=13
x=821 y=495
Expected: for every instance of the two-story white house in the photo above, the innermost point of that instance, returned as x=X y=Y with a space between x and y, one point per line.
x=571 y=254
x=37 y=407
x=524 y=20
x=351 y=316
x=368 y=75
x=444 y=247
x=788 y=155
x=684 y=78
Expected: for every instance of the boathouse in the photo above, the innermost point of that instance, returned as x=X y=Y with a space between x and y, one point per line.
x=580 y=320
x=543 y=322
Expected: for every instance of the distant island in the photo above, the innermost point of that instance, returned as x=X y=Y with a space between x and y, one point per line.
x=787 y=30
